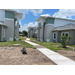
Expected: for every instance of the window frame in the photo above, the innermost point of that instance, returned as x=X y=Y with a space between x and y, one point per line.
x=65 y=33
x=53 y=36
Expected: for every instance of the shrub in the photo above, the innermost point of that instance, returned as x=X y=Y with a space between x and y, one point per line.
x=23 y=34
x=65 y=40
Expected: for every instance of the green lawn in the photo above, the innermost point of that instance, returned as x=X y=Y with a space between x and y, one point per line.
x=22 y=38
x=72 y=45
x=10 y=44
x=50 y=45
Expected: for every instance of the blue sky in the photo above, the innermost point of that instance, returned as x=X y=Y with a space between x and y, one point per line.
x=30 y=15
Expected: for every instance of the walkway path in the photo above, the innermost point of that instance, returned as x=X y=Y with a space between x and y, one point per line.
x=55 y=57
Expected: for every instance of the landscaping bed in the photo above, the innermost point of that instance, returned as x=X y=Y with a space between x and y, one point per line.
x=67 y=53
x=14 y=56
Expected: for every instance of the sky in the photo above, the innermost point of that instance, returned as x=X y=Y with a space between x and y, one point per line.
x=30 y=15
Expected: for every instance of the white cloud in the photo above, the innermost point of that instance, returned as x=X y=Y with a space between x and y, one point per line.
x=64 y=13
x=36 y=11
x=31 y=24
x=24 y=11
x=45 y=15
x=24 y=27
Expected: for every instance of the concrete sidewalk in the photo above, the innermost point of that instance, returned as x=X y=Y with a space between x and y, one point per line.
x=55 y=57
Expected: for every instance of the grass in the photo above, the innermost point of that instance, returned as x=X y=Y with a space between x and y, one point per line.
x=50 y=45
x=72 y=45
x=22 y=38
x=10 y=44
x=34 y=39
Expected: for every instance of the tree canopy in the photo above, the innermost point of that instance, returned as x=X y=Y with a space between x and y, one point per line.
x=24 y=33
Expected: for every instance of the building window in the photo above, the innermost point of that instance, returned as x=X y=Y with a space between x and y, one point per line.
x=65 y=33
x=54 y=36
x=62 y=33
x=3 y=32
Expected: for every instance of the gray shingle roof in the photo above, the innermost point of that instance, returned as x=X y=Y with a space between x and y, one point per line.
x=65 y=27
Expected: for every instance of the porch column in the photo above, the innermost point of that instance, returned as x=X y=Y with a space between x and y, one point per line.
x=38 y=35
x=17 y=31
x=41 y=33
x=2 y=34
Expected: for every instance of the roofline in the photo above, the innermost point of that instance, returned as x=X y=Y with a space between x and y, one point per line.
x=54 y=18
x=3 y=25
x=64 y=25
x=10 y=10
x=63 y=30
x=15 y=12
x=40 y=17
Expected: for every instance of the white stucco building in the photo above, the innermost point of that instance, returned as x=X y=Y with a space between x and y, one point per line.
x=47 y=26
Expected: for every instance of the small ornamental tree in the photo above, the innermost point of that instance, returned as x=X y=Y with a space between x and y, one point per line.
x=65 y=40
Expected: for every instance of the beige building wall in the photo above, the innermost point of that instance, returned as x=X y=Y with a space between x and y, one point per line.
x=31 y=34
x=71 y=32
x=17 y=31
x=0 y=33
x=48 y=33
x=38 y=36
x=9 y=31
x=4 y=38
x=59 y=35
x=41 y=33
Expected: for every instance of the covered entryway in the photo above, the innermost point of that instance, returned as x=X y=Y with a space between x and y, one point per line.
x=2 y=31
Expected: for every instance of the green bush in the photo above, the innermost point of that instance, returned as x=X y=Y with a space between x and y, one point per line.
x=65 y=40
x=23 y=34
